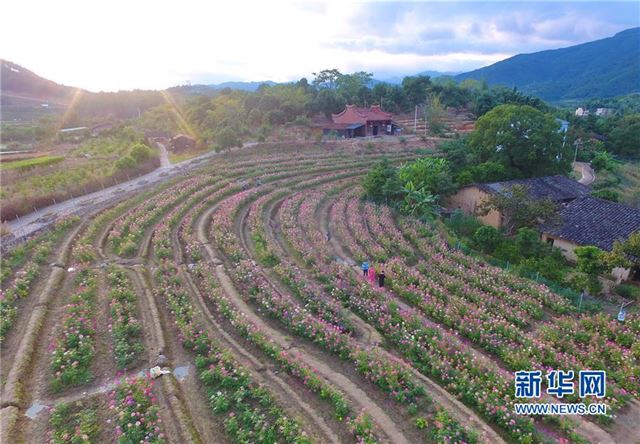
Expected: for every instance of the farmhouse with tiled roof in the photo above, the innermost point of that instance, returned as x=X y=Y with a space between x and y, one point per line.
x=559 y=189
x=592 y=221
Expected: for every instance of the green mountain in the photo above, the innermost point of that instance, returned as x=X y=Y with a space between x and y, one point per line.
x=602 y=68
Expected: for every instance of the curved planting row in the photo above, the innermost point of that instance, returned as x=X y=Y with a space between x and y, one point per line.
x=73 y=349
x=482 y=275
x=255 y=262
x=301 y=322
x=21 y=267
x=161 y=234
x=251 y=415
x=125 y=327
x=136 y=411
x=431 y=350
x=496 y=320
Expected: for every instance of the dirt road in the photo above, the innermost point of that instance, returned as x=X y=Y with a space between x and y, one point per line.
x=32 y=222
x=164 y=156
x=587 y=175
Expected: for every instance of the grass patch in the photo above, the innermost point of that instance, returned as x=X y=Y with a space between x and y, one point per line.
x=180 y=157
x=30 y=163
x=624 y=179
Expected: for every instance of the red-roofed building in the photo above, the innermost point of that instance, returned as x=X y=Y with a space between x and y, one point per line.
x=361 y=122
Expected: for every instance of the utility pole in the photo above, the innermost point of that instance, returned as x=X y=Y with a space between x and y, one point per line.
x=415 y=120
x=425 y=121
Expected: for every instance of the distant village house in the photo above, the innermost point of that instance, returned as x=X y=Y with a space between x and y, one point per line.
x=361 y=122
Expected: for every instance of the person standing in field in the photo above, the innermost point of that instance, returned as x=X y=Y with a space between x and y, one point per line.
x=365 y=268
x=372 y=275
x=381 y=277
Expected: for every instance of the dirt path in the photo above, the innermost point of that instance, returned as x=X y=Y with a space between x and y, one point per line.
x=368 y=333
x=587 y=175
x=12 y=391
x=164 y=155
x=248 y=359
x=178 y=406
x=346 y=385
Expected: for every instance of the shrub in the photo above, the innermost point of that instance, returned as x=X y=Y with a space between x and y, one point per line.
x=463 y=224
x=628 y=291
x=607 y=194
x=602 y=161
x=125 y=163
x=301 y=120
x=487 y=238
x=528 y=242
x=140 y=152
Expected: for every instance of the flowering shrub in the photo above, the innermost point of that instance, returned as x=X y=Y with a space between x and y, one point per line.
x=125 y=328
x=74 y=348
x=73 y=423
x=362 y=428
x=136 y=411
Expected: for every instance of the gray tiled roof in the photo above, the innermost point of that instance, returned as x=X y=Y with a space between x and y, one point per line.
x=592 y=221
x=557 y=188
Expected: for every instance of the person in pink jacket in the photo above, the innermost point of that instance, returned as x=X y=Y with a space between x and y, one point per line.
x=372 y=275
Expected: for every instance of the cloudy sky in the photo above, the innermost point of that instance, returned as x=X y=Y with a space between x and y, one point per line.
x=116 y=44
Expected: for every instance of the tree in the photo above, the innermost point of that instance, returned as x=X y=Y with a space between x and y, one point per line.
x=602 y=161
x=429 y=173
x=381 y=180
x=519 y=209
x=592 y=262
x=354 y=87
x=435 y=112
x=416 y=89
x=523 y=139
x=328 y=101
x=483 y=172
x=625 y=253
x=624 y=138
x=528 y=242
x=327 y=78
x=140 y=152
x=227 y=138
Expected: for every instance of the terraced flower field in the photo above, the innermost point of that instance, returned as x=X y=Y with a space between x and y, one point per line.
x=242 y=281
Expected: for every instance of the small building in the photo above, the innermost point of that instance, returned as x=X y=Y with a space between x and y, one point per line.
x=592 y=221
x=581 y=112
x=361 y=122
x=182 y=142
x=604 y=112
x=559 y=189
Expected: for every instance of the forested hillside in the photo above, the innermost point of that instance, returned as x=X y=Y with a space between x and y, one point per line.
x=603 y=68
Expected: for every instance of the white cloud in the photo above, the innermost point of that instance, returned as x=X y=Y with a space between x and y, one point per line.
x=150 y=44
